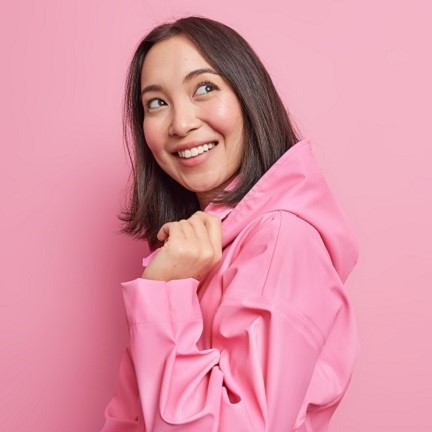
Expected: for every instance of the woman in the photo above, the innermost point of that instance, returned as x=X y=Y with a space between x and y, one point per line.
x=240 y=321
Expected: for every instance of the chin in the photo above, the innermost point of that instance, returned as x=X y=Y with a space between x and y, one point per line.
x=201 y=187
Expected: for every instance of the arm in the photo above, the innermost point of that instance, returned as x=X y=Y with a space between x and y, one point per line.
x=123 y=413
x=265 y=343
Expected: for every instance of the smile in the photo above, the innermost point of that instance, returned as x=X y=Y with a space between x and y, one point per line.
x=195 y=151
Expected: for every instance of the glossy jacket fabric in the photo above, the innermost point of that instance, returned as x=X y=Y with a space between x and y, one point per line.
x=267 y=342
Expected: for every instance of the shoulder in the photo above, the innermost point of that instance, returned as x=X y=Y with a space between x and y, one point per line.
x=278 y=226
x=274 y=246
x=284 y=263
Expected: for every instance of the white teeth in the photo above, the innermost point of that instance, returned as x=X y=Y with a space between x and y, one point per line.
x=195 y=151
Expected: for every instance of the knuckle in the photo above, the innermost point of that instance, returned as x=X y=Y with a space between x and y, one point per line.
x=207 y=255
x=213 y=218
x=200 y=215
x=182 y=222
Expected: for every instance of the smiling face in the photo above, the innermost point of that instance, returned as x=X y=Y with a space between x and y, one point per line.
x=193 y=122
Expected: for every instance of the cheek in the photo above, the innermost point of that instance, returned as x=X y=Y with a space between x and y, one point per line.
x=225 y=117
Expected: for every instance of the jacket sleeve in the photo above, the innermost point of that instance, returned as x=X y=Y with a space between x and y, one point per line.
x=123 y=413
x=280 y=296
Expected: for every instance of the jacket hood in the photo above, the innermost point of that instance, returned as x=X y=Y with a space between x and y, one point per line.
x=296 y=184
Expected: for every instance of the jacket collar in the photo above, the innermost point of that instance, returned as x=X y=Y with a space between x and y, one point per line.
x=295 y=184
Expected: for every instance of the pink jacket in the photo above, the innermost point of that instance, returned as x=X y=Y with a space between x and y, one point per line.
x=267 y=342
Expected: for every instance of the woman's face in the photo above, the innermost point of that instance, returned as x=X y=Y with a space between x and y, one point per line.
x=189 y=108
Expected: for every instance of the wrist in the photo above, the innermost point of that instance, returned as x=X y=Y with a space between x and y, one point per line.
x=149 y=276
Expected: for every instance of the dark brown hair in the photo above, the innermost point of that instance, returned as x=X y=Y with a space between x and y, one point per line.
x=155 y=197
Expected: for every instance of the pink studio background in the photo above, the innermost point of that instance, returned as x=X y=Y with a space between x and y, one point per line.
x=356 y=78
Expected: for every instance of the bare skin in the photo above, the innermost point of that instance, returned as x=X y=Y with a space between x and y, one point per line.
x=188 y=104
x=192 y=248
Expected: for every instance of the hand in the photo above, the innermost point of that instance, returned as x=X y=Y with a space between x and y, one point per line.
x=192 y=248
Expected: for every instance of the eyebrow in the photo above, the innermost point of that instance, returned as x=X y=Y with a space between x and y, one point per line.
x=190 y=76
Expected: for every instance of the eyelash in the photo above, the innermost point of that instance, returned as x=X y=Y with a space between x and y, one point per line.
x=147 y=105
x=204 y=83
x=207 y=83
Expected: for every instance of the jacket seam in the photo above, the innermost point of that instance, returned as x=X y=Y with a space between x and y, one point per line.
x=151 y=322
x=273 y=252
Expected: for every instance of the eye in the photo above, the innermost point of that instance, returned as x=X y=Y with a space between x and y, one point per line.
x=205 y=87
x=155 y=103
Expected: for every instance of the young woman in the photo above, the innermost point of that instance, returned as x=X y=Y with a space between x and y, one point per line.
x=240 y=321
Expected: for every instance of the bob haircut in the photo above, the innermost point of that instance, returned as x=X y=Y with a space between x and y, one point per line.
x=155 y=197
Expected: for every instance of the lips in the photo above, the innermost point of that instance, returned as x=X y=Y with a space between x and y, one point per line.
x=192 y=145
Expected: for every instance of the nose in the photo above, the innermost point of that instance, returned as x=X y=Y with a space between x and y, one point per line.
x=184 y=120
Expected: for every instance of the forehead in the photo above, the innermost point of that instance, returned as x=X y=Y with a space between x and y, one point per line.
x=171 y=59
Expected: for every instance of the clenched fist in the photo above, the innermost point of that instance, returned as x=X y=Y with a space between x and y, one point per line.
x=192 y=247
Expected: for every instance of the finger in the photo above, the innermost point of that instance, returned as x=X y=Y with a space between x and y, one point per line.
x=188 y=230
x=213 y=226
x=170 y=230
x=200 y=228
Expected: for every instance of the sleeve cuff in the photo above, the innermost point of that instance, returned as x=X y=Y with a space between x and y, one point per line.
x=149 y=301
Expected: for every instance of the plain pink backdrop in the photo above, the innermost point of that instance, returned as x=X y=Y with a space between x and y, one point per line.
x=355 y=76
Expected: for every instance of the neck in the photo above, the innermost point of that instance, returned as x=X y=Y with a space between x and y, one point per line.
x=205 y=198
